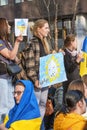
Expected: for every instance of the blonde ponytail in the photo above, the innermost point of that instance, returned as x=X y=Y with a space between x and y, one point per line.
x=46 y=45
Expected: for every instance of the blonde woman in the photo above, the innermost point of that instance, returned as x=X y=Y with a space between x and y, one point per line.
x=38 y=47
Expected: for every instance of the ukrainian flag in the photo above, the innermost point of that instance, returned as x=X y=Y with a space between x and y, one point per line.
x=26 y=114
x=83 y=65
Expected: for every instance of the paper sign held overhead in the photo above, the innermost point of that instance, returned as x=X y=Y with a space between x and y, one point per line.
x=21 y=26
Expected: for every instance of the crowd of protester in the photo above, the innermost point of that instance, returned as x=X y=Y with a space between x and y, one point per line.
x=33 y=107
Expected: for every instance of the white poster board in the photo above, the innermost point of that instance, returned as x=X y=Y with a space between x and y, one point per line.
x=21 y=26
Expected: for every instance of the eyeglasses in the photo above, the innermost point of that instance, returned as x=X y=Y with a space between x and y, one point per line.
x=17 y=92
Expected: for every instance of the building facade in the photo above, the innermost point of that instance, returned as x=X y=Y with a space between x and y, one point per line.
x=35 y=9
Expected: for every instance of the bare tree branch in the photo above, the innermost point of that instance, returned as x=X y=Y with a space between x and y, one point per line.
x=55 y=25
x=74 y=16
x=47 y=4
x=54 y=2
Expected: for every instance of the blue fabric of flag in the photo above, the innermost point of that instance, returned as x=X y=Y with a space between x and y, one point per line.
x=28 y=107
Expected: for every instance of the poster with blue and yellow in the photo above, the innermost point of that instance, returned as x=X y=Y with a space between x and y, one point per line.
x=21 y=26
x=52 y=69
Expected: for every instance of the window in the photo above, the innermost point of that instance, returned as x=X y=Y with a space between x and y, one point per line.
x=3 y=2
x=18 y=1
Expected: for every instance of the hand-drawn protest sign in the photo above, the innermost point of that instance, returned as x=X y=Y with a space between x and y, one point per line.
x=21 y=26
x=52 y=69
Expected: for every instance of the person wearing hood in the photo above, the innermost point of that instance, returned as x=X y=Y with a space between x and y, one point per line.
x=69 y=117
x=25 y=114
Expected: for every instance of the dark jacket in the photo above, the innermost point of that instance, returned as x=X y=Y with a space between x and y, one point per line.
x=58 y=99
x=71 y=68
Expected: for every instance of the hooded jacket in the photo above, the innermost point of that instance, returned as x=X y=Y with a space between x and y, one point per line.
x=70 y=121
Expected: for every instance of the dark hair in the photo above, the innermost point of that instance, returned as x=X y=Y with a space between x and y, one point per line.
x=3 y=29
x=69 y=38
x=72 y=97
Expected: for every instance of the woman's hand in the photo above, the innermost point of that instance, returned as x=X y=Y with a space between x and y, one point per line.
x=19 y=39
x=61 y=50
x=37 y=84
x=79 y=57
x=53 y=52
x=2 y=127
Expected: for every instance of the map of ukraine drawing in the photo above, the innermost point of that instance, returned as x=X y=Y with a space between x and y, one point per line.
x=21 y=27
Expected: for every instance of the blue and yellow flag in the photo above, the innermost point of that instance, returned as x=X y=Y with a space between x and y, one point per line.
x=83 y=65
x=26 y=114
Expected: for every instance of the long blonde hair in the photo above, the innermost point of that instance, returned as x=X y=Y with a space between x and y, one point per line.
x=40 y=23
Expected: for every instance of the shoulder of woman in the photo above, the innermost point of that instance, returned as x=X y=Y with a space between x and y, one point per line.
x=1 y=42
x=34 y=39
x=34 y=43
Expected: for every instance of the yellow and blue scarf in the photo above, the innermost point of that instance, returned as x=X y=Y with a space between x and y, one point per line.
x=27 y=109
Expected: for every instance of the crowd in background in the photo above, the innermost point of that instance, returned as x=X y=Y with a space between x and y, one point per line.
x=31 y=106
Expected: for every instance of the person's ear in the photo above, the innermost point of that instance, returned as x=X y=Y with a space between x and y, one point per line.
x=80 y=104
x=38 y=29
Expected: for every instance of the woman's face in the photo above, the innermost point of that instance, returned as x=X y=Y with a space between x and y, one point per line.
x=43 y=31
x=9 y=27
x=83 y=107
x=74 y=44
x=85 y=90
x=18 y=92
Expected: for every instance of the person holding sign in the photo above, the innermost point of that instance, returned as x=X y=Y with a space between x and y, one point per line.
x=38 y=47
x=7 y=56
